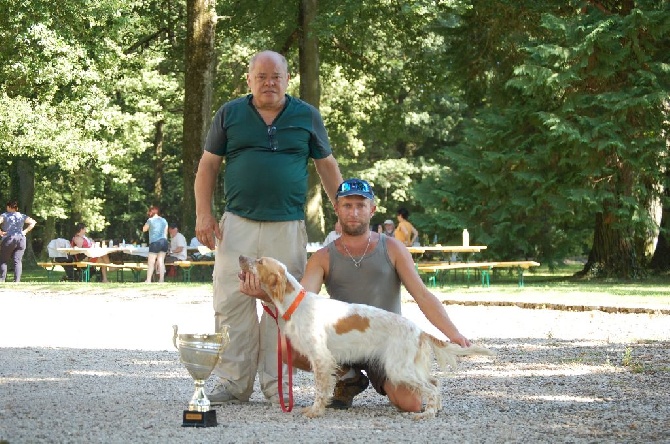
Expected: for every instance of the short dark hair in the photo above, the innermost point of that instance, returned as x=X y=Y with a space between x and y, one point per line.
x=80 y=226
x=403 y=212
x=173 y=225
x=13 y=204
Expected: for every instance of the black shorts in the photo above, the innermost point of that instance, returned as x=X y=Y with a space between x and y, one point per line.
x=376 y=375
x=160 y=246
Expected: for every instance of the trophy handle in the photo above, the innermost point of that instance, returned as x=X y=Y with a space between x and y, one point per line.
x=174 y=338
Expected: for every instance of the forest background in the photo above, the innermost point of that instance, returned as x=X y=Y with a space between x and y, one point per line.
x=541 y=127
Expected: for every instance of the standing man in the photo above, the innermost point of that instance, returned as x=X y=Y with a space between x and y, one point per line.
x=267 y=138
x=365 y=267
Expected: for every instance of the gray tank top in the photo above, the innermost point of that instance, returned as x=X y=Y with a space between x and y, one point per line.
x=375 y=283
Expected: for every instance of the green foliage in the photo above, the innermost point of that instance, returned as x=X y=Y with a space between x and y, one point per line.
x=386 y=96
x=81 y=100
x=580 y=132
x=520 y=120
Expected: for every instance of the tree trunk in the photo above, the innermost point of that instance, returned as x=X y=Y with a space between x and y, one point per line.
x=26 y=177
x=158 y=162
x=310 y=92
x=200 y=65
x=660 y=261
x=80 y=178
x=48 y=233
x=612 y=253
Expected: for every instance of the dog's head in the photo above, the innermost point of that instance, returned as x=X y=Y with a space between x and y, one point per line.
x=272 y=275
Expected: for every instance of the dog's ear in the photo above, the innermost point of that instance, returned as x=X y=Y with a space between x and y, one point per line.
x=277 y=287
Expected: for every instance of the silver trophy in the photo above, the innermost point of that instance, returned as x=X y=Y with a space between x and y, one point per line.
x=200 y=353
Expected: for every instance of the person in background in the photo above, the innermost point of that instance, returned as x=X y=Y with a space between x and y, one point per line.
x=203 y=253
x=13 y=244
x=178 y=247
x=387 y=228
x=62 y=258
x=158 y=243
x=267 y=139
x=405 y=233
x=337 y=232
x=177 y=251
x=80 y=240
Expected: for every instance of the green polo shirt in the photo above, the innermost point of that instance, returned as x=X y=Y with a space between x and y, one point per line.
x=265 y=177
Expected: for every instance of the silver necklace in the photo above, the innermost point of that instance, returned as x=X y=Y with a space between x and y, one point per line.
x=357 y=263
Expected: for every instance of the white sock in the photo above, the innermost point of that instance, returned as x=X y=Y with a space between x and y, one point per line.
x=350 y=374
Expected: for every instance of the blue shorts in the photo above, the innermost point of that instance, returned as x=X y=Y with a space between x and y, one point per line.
x=160 y=246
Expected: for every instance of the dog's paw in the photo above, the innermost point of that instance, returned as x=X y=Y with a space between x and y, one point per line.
x=313 y=411
x=429 y=412
x=426 y=414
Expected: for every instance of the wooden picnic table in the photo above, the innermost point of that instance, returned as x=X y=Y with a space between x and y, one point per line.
x=447 y=249
x=95 y=251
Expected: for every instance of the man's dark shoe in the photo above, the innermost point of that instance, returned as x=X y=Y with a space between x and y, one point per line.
x=346 y=390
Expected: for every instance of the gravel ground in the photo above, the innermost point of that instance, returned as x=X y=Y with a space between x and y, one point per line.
x=99 y=366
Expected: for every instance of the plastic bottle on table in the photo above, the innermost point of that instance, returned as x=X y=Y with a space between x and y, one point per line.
x=466 y=238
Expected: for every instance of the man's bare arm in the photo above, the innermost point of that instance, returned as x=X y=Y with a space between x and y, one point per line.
x=331 y=178
x=429 y=304
x=206 y=226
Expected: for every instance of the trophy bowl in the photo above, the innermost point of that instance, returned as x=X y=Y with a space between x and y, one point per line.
x=200 y=352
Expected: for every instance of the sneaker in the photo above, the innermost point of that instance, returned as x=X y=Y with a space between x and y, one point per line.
x=347 y=389
x=221 y=395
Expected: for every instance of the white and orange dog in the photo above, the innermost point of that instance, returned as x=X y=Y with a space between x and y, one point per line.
x=328 y=332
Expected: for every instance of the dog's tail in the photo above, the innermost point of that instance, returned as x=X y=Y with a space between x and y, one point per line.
x=446 y=352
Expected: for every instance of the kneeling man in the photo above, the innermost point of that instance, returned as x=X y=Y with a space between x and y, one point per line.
x=365 y=267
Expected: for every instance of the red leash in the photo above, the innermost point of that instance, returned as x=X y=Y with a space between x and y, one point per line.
x=289 y=363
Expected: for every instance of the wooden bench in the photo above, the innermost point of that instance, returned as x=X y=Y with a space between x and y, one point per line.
x=520 y=266
x=437 y=267
x=135 y=267
x=485 y=269
x=187 y=267
x=50 y=267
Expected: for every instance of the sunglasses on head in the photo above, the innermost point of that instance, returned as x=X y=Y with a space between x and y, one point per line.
x=356 y=185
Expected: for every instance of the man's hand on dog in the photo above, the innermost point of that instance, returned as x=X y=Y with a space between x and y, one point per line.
x=251 y=286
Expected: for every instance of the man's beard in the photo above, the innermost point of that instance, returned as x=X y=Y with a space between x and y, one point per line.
x=354 y=231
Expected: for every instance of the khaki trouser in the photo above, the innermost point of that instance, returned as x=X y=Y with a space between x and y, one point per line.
x=253 y=344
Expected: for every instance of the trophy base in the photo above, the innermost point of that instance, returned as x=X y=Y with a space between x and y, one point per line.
x=199 y=419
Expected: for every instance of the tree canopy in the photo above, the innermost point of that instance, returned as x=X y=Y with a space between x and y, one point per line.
x=540 y=127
